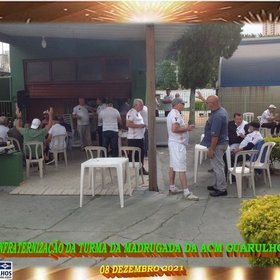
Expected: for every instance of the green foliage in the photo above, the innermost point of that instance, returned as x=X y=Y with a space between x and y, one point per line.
x=165 y=75
x=259 y=223
x=200 y=106
x=199 y=52
x=201 y=49
x=275 y=153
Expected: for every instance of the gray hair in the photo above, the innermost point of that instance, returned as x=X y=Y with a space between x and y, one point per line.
x=137 y=100
x=3 y=120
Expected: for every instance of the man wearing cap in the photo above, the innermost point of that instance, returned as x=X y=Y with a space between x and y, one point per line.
x=167 y=102
x=268 y=120
x=216 y=140
x=34 y=133
x=251 y=139
x=177 y=140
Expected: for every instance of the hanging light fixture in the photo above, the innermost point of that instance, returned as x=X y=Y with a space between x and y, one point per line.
x=44 y=42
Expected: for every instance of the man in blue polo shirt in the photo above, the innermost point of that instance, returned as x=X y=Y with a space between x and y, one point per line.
x=216 y=140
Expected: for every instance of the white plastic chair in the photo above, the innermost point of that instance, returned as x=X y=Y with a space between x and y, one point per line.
x=59 y=141
x=15 y=142
x=264 y=155
x=248 y=116
x=127 y=151
x=243 y=171
x=75 y=138
x=199 y=152
x=97 y=152
x=37 y=148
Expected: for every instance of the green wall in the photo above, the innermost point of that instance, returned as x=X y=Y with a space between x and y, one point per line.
x=30 y=48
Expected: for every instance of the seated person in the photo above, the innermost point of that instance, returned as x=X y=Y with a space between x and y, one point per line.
x=268 y=120
x=237 y=129
x=55 y=130
x=251 y=139
x=34 y=133
x=68 y=131
x=3 y=129
x=13 y=132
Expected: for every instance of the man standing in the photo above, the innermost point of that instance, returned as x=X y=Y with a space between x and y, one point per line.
x=167 y=102
x=136 y=129
x=81 y=113
x=268 y=120
x=110 y=118
x=101 y=105
x=177 y=141
x=216 y=140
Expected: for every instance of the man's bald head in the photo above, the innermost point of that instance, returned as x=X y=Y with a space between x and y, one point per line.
x=212 y=102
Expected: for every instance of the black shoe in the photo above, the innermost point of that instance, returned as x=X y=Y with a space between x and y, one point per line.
x=211 y=188
x=145 y=172
x=210 y=170
x=218 y=193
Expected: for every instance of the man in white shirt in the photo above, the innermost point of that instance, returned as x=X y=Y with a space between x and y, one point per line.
x=101 y=102
x=110 y=118
x=268 y=120
x=55 y=130
x=251 y=139
x=3 y=129
x=81 y=113
x=136 y=129
x=237 y=129
x=167 y=102
x=177 y=140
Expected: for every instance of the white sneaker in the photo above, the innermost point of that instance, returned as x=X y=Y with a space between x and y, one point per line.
x=175 y=190
x=191 y=196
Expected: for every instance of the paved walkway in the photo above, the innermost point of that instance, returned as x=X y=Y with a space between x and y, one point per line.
x=147 y=216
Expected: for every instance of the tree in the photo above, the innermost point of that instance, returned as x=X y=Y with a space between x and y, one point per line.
x=198 y=53
x=166 y=75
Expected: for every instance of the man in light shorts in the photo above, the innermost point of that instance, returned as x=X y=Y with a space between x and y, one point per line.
x=177 y=140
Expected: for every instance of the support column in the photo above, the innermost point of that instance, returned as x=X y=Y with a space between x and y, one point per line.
x=151 y=104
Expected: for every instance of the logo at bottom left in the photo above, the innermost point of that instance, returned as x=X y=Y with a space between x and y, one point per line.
x=6 y=270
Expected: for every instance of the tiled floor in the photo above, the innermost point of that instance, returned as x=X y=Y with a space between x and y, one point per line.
x=66 y=180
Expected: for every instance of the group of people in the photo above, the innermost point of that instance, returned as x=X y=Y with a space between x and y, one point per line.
x=218 y=134
x=109 y=122
x=36 y=131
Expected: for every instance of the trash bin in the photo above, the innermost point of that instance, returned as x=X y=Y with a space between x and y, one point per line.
x=11 y=169
x=161 y=132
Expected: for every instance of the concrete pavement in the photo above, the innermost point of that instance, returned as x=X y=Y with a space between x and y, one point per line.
x=146 y=217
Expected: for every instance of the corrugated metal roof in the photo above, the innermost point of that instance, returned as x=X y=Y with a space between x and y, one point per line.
x=256 y=62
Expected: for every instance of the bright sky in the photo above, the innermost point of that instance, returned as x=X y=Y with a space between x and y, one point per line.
x=255 y=28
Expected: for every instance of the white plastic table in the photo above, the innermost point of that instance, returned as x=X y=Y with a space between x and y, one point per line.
x=119 y=163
